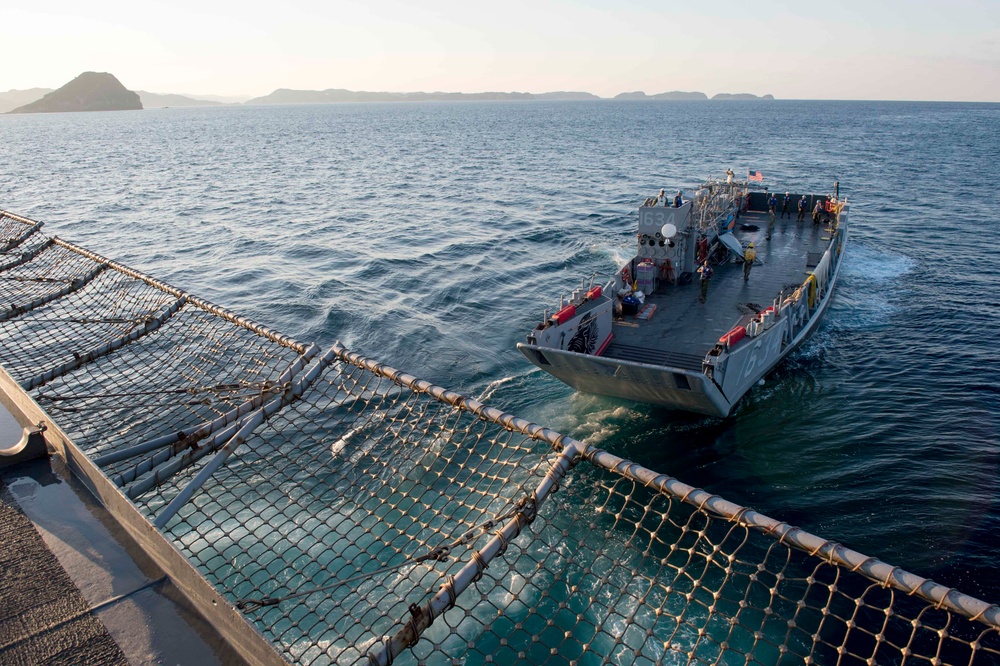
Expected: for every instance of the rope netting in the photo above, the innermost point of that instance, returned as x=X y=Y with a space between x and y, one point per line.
x=356 y=514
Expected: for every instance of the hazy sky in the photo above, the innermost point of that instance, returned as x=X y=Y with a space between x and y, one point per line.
x=833 y=50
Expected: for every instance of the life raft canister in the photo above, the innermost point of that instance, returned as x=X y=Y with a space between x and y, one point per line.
x=564 y=315
x=733 y=336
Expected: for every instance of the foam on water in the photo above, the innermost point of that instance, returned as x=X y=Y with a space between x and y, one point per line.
x=875 y=264
x=871 y=287
x=497 y=384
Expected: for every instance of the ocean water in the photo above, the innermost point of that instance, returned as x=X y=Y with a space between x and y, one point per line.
x=431 y=236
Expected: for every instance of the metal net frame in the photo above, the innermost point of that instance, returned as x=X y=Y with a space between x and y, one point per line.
x=356 y=514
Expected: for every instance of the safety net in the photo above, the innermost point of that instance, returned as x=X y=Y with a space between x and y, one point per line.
x=356 y=514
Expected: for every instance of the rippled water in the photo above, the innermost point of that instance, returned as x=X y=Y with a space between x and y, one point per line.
x=431 y=236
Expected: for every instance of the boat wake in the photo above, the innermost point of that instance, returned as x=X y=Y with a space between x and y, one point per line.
x=871 y=287
x=503 y=383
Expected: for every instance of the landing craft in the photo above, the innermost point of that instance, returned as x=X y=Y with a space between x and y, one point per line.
x=646 y=334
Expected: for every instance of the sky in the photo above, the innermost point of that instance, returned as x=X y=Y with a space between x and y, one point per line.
x=891 y=50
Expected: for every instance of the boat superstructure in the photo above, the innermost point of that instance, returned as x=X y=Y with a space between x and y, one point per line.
x=646 y=335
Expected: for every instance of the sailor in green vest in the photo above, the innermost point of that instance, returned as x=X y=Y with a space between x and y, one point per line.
x=749 y=256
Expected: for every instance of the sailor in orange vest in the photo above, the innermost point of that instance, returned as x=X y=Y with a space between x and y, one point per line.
x=749 y=256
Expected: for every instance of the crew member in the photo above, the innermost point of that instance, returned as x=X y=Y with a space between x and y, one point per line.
x=678 y=201
x=706 y=274
x=818 y=211
x=770 y=216
x=802 y=209
x=748 y=258
x=772 y=203
x=662 y=199
x=784 y=206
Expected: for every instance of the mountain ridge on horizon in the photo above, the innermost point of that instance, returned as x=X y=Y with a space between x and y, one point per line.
x=18 y=98
x=337 y=95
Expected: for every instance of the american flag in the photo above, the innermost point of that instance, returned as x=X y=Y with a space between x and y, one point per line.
x=755 y=175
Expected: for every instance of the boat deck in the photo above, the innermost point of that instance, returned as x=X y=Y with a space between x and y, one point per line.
x=682 y=329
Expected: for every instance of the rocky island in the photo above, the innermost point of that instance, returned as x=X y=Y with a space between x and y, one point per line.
x=91 y=91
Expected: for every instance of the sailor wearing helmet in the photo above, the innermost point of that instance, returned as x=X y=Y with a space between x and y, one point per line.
x=817 y=211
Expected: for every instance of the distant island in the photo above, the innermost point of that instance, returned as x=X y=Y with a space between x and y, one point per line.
x=672 y=95
x=741 y=96
x=157 y=101
x=333 y=95
x=679 y=95
x=91 y=91
x=14 y=98
x=102 y=92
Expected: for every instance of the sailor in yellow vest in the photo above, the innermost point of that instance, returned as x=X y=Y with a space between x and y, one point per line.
x=749 y=256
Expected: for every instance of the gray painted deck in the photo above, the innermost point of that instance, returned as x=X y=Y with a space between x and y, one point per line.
x=682 y=329
x=76 y=590
x=45 y=619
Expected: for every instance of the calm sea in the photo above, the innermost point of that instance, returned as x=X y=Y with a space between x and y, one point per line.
x=431 y=236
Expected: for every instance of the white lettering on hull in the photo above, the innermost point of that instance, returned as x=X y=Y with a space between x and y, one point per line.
x=748 y=364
